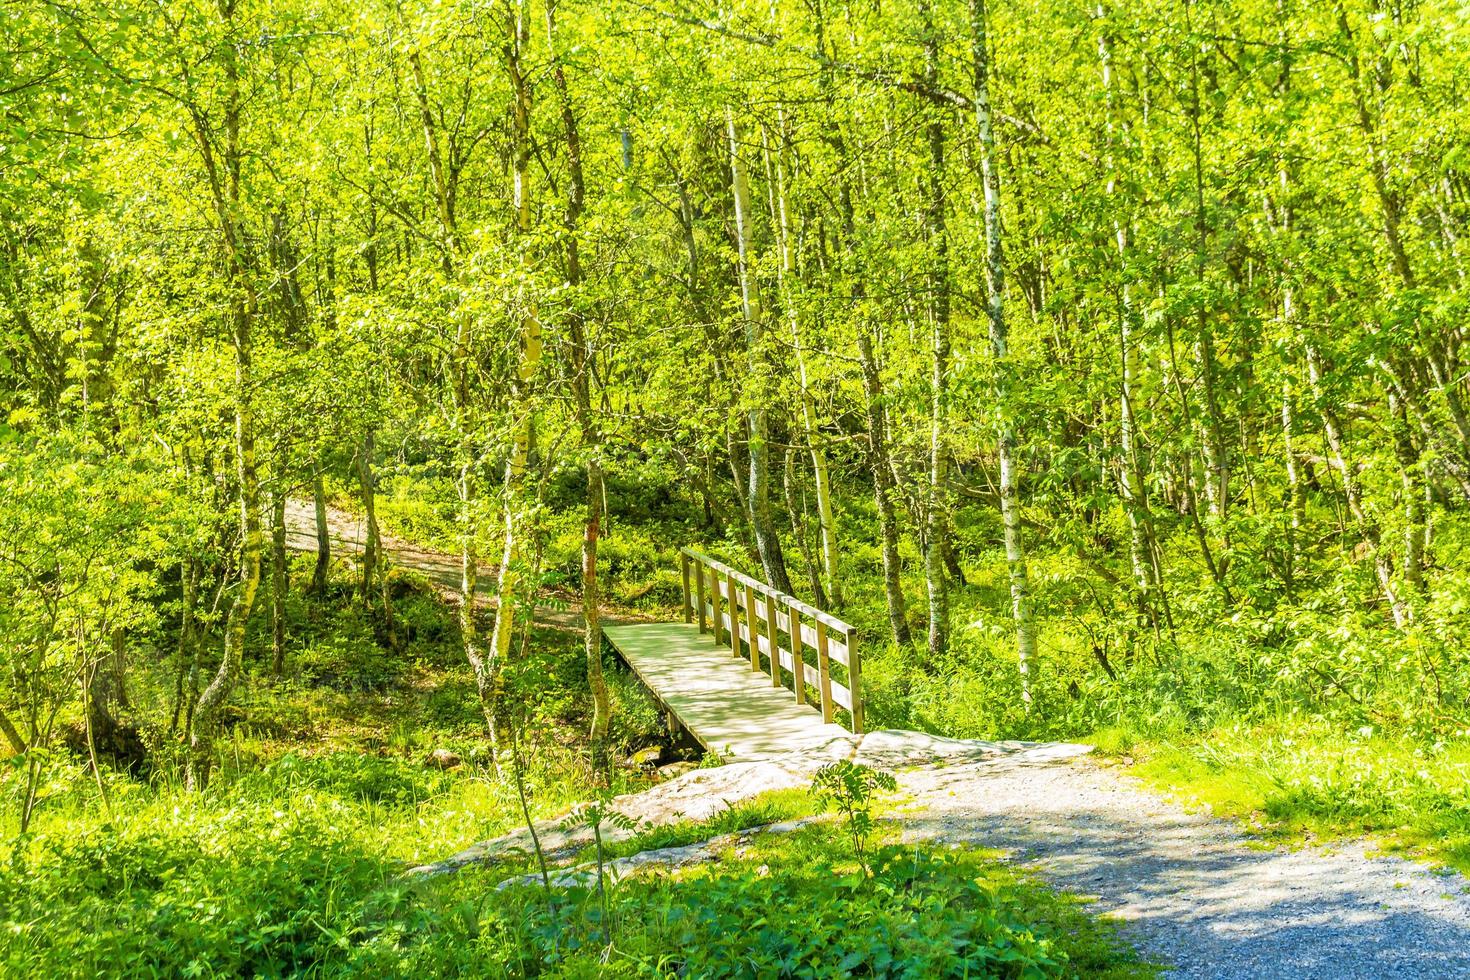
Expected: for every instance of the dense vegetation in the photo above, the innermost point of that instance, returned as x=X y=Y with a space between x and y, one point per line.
x=1102 y=363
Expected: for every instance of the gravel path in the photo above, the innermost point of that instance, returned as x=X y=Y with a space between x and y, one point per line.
x=1193 y=890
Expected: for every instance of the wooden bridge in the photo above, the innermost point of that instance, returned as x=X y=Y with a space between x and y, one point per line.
x=751 y=672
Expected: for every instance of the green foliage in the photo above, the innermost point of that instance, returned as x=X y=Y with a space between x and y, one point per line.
x=851 y=789
x=248 y=889
x=791 y=907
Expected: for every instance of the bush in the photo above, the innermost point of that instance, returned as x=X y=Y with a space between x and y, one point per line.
x=251 y=890
x=791 y=910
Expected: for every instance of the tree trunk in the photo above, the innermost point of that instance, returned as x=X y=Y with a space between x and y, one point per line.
x=1130 y=475
x=481 y=664
x=184 y=653
x=1411 y=475
x=372 y=542
x=581 y=354
x=758 y=495
x=278 y=583
x=830 y=589
x=797 y=511
x=1211 y=435
x=936 y=503
x=1295 y=494
x=1010 y=500
x=511 y=585
x=1353 y=495
x=323 y=535
x=225 y=190
x=883 y=490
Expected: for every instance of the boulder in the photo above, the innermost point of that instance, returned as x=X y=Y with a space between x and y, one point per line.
x=441 y=759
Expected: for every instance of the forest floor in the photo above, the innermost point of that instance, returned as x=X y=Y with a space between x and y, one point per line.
x=1197 y=892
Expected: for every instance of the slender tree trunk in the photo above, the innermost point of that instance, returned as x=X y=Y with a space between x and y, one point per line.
x=1411 y=475
x=1212 y=434
x=278 y=583
x=797 y=511
x=511 y=584
x=758 y=495
x=1130 y=476
x=1295 y=502
x=883 y=490
x=482 y=663
x=1010 y=499
x=936 y=501
x=101 y=694
x=323 y=535
x=187 y=640
x=831 y=588
x=581 y=355
x=1352 y=494
x=1295 y=494
x=225 y=188
x=372 y=540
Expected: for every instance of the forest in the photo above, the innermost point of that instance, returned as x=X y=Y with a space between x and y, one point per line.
x=1102 y=363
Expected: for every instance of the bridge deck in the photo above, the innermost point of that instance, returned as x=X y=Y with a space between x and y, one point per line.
x=729 y=708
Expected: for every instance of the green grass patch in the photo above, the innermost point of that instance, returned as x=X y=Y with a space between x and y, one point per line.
x=1299 y=781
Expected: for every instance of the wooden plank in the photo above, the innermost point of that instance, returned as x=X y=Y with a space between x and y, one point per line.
x=836 y=649
x=716 y=614
x=718 y=700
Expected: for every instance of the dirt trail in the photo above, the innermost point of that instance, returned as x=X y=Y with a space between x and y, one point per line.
x=348 y=533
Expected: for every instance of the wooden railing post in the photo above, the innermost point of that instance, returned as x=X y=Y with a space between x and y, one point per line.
x=798 y=662
x=855 y=683
x=699 y=594
x=824 y=673
x=714 y=601
x=751 y=624
x=734 y=615
x=688 y=605
x=774 y=634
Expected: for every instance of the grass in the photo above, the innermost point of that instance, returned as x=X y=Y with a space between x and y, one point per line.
x=1297 y=781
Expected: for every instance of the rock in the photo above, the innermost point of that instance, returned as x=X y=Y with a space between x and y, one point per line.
x=647 y=757
x=676 y=769
x=441 y=759
x=700 y=794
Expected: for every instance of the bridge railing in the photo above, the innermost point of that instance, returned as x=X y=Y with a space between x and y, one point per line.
x=777 y=632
